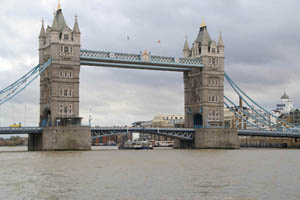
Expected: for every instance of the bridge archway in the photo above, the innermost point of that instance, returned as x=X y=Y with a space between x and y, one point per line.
x=198 y=121
x=46 y=118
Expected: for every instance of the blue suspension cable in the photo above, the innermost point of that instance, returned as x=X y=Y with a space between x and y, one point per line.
x=245 y=113
x=239 y=116
x=280 y=120
x=14 y=87
x=251 y=107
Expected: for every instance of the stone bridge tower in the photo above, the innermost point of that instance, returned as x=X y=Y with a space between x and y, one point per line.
x=204 y=88
x=59 y=83
x=59 y=89
x=204 y=94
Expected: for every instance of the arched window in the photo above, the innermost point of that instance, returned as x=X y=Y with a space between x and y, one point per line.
x=198 y=121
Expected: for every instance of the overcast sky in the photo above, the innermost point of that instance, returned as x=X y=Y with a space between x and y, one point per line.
x=262 y=48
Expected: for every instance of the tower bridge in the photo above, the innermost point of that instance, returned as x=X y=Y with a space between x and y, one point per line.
x=60 y=60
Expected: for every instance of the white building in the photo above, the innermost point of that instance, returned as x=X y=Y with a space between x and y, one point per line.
x=286 y=105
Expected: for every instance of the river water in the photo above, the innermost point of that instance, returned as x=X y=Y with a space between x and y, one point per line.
x=162 y=174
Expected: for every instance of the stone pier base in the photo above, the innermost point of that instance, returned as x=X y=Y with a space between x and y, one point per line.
x=216 y=138
x=182 y=144
x=61 y=138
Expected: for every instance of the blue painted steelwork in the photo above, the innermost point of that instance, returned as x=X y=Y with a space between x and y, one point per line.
x=239 y=116
x=137 y=61
x=178 y=133
x=131 y=66
x=290 y=127
x=21 y=130
x=245 y=113
x=251 y=107
x=14 y=89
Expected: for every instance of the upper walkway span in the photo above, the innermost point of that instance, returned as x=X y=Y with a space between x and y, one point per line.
x=143 y=61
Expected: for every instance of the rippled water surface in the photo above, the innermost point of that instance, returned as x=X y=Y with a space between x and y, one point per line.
x=245 y=174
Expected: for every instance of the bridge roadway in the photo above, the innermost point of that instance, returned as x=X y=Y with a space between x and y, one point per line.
x=177 y=133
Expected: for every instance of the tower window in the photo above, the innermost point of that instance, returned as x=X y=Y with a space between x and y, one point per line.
x=65 y=92
x=70 y=93
x=61 y=109
x=66 y=49
x=70 y=75
x=66 y=36
x=215 y=61
x=61 y=74
x=213 y=50
x=70 y=109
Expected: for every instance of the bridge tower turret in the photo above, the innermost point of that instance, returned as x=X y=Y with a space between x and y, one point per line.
x=186 y=49
x=59 y=89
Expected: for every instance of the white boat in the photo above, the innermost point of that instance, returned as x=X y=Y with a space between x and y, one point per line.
x=136 y=145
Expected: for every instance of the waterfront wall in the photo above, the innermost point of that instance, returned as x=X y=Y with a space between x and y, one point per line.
x=269 y=142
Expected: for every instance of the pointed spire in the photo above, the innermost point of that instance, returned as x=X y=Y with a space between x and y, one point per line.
x=203 y=24
x=203 y=35
x=220 y=42
x=54 y=23
x=186 y=44
x=42 y=32
x=58 y=5
x=76 y=26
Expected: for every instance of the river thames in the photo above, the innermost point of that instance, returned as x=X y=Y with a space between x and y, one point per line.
x=162 y=174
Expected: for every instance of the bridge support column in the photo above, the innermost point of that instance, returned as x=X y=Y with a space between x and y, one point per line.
x=216 y=138
x=64 y=138
x=35 y=142
x=182 y=144
x=61 y=138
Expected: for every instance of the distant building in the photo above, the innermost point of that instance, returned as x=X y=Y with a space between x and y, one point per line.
x=142 y=124
x=260 y=119
x=167 y=121
x=160 y=121
x=145 y=124
x=295 y=116
x=286 y=105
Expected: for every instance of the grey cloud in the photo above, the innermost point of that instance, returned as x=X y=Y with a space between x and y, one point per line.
x=261 y=46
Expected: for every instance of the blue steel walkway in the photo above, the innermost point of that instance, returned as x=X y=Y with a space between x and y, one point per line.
x=177 y=133
x=137 y=61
